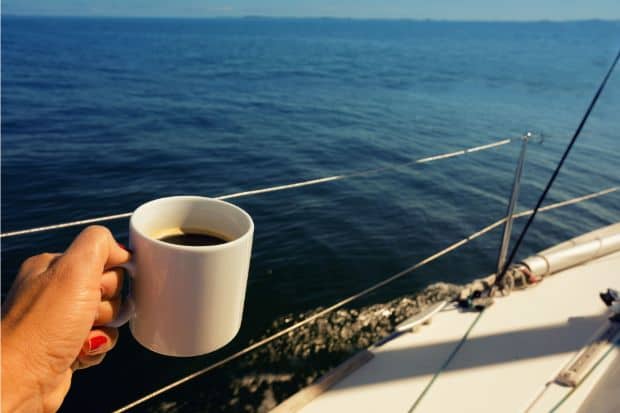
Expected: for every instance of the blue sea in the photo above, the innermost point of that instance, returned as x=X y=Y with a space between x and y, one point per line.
x=100 y=115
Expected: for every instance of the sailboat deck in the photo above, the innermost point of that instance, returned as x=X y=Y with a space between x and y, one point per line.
x=512 y=354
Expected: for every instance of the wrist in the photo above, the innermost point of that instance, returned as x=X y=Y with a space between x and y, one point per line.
x=20 y=391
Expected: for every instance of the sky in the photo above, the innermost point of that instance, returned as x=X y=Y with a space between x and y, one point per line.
x=409 y=9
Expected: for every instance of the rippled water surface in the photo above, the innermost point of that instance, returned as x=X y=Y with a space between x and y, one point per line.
x=101 y=115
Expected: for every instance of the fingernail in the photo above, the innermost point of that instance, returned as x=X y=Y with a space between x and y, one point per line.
x=96 y=342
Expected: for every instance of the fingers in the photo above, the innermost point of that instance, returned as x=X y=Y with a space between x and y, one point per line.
x=84 y=362
x=111 y=283
x=92 y=250
x=107 y=311
x=96 y=245
x=100 y=340
x=97 y=344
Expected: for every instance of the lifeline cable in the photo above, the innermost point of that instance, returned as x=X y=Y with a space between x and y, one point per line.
x=353 y=297
x=271 y=189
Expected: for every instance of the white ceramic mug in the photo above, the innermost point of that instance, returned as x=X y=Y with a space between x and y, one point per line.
x=187 y=300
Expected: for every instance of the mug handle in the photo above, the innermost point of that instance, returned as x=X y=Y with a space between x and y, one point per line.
x=127 y=309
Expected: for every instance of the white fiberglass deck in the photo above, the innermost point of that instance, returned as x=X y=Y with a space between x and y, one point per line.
x=517 y=347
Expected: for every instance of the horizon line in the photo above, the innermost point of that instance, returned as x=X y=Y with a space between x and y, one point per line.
x=266 y=17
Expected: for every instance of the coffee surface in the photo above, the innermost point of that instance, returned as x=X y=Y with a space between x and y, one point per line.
x=192 y=238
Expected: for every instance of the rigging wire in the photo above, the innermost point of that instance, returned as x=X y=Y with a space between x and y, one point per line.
x=353 y=297
x=502 y=271
x=585 y=117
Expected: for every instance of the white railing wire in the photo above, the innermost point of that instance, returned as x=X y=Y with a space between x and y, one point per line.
x=270 y=189
x=356 y=296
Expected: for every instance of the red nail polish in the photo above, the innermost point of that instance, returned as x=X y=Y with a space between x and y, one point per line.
x=96 y=342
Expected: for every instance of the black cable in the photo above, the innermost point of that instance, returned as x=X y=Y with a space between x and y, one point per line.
x=513 y=253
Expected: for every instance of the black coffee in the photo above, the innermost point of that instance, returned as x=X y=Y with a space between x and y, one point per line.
x=195 y=239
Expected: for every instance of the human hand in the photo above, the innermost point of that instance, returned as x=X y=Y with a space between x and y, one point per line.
x=53 y=317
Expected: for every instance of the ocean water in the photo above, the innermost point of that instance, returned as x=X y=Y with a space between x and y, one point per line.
x=101 y=115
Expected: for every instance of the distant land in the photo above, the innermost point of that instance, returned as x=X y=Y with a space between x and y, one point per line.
x=330 y=18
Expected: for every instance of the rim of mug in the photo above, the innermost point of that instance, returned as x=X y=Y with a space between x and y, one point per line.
x=196 y=248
